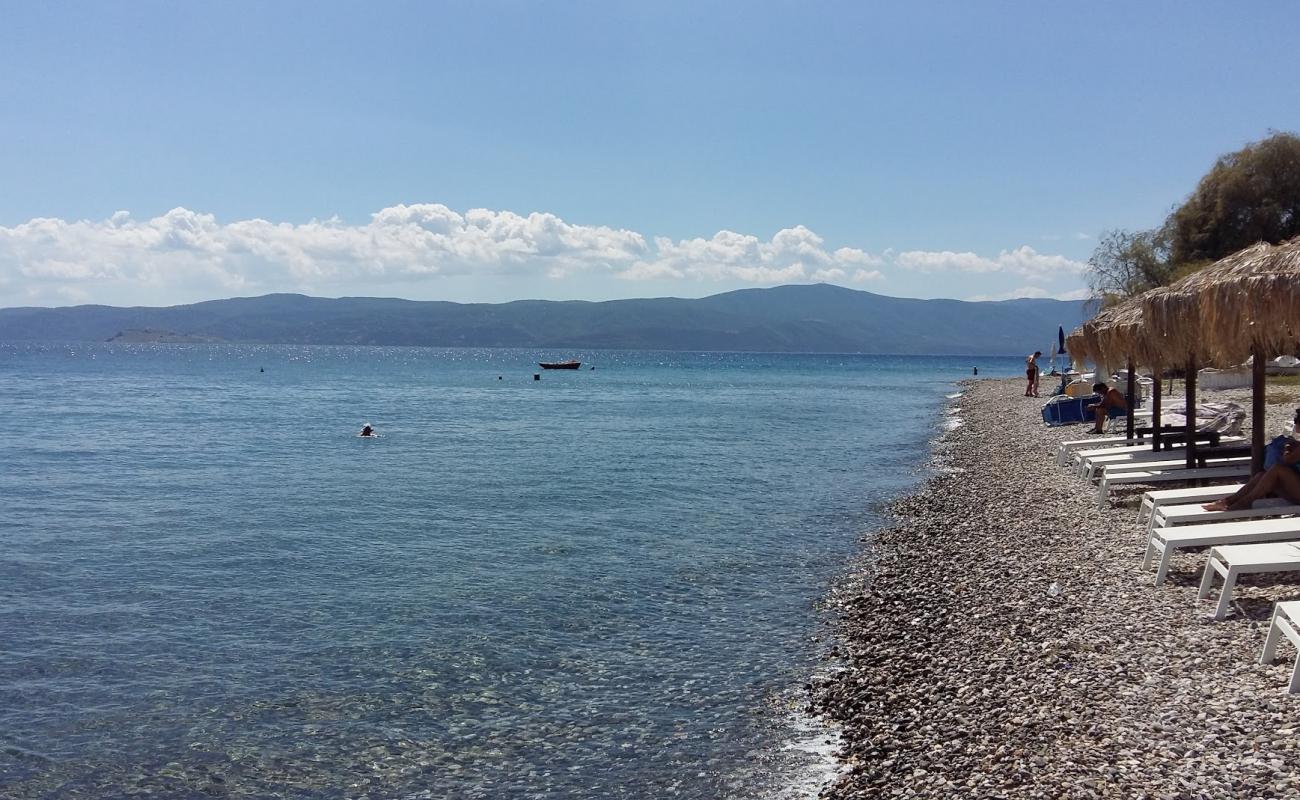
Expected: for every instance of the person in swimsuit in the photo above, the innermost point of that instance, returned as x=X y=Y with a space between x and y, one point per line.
x=1031 y=373
x=1281 y=479
x=1281 y=475
x=1110 y=398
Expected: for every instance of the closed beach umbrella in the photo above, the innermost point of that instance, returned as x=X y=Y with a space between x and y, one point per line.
x=1060 y=339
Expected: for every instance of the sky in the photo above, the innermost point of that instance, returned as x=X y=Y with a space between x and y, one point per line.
x=154 y=153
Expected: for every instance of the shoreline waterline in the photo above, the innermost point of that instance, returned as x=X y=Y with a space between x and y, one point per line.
x=959 y=673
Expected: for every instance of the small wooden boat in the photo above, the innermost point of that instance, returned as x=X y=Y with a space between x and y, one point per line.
x=560 y=364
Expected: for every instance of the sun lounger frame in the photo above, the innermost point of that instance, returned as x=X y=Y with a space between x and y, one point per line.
x=1285 y=617
x=1190 y=494
x=1233 y=561
x=1169 y=516
x=1166 y=475
x=1164 y=542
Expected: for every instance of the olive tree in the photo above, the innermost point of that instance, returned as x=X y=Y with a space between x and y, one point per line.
x=1252 y=195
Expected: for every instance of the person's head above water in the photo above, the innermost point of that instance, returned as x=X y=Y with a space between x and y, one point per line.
x=366 y=430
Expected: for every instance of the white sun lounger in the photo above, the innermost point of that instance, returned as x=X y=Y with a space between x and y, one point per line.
x=1126 y=467
x=1286 y=616
x=1192 y=494
x=1065 y=450
x=1150 y=476
x=1168 y=516
x=1081 y=459
x=1164 y=542
x=1090 y=461
x=1233 y=561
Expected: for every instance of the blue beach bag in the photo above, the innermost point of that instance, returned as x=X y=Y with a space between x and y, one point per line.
x=1273 y=451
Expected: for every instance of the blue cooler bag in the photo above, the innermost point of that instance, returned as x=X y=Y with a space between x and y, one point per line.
x=1066 y=410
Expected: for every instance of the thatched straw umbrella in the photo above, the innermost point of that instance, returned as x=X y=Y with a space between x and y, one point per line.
x=1123 y=337
x=1173 y=318
x=1117 y=336
x=1077 y=346
x=1250 y=301
x=1247 y=304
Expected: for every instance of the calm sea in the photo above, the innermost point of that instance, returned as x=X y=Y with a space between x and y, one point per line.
x=601 y=584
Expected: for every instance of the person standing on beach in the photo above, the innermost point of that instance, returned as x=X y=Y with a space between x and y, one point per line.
x=1031 y=373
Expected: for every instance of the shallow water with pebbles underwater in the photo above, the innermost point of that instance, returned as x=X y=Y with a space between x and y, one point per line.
x=598 y=584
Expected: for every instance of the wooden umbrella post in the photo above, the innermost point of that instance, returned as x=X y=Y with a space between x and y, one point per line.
x=1157 y=388
x=1132 y=401
x=1257 y=412
x=1189 y=408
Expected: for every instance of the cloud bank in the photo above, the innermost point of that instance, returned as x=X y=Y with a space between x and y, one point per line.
x=189 y=254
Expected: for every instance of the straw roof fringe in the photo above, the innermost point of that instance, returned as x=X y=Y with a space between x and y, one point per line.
x=1124 y=338
x=1113 y=338
x=1248 y=301
x=1077 y=348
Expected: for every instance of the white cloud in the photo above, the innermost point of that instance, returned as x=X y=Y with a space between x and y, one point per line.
x=793 y=254
x=186 y=255
x=185 y=248
x=1077 y=294
x=1031 y=292
x=1023 y=261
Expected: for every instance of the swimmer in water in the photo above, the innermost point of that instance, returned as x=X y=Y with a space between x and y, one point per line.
x=366 y=430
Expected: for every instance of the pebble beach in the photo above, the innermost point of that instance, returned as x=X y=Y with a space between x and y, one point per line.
x=1000 y=638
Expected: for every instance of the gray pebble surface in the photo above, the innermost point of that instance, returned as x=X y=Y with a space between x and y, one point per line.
x=958 y=671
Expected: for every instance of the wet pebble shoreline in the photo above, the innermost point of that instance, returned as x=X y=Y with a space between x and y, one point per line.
x=1000 y=639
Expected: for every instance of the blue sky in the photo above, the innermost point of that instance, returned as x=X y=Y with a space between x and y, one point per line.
x=160 y=152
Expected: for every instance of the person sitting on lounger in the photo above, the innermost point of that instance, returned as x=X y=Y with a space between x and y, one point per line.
x=1281 y=479
x=1110 y=398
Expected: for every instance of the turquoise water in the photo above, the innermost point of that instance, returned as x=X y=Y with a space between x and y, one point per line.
x=600 y=584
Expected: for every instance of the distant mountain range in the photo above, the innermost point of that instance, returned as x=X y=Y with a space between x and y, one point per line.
x=812 y=319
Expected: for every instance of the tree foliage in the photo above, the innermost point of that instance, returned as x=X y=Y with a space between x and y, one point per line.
x=1126 y=263
x=1250 y=196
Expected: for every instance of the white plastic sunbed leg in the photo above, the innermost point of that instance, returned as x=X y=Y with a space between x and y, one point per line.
x=1157 y=520
x=1282 y=626
x=1151 y=552
x=1269 y=655
x=1102 y=493
x=1147 y=505
x=1207 y=578
x=1225 y=594
x=1162 y=571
